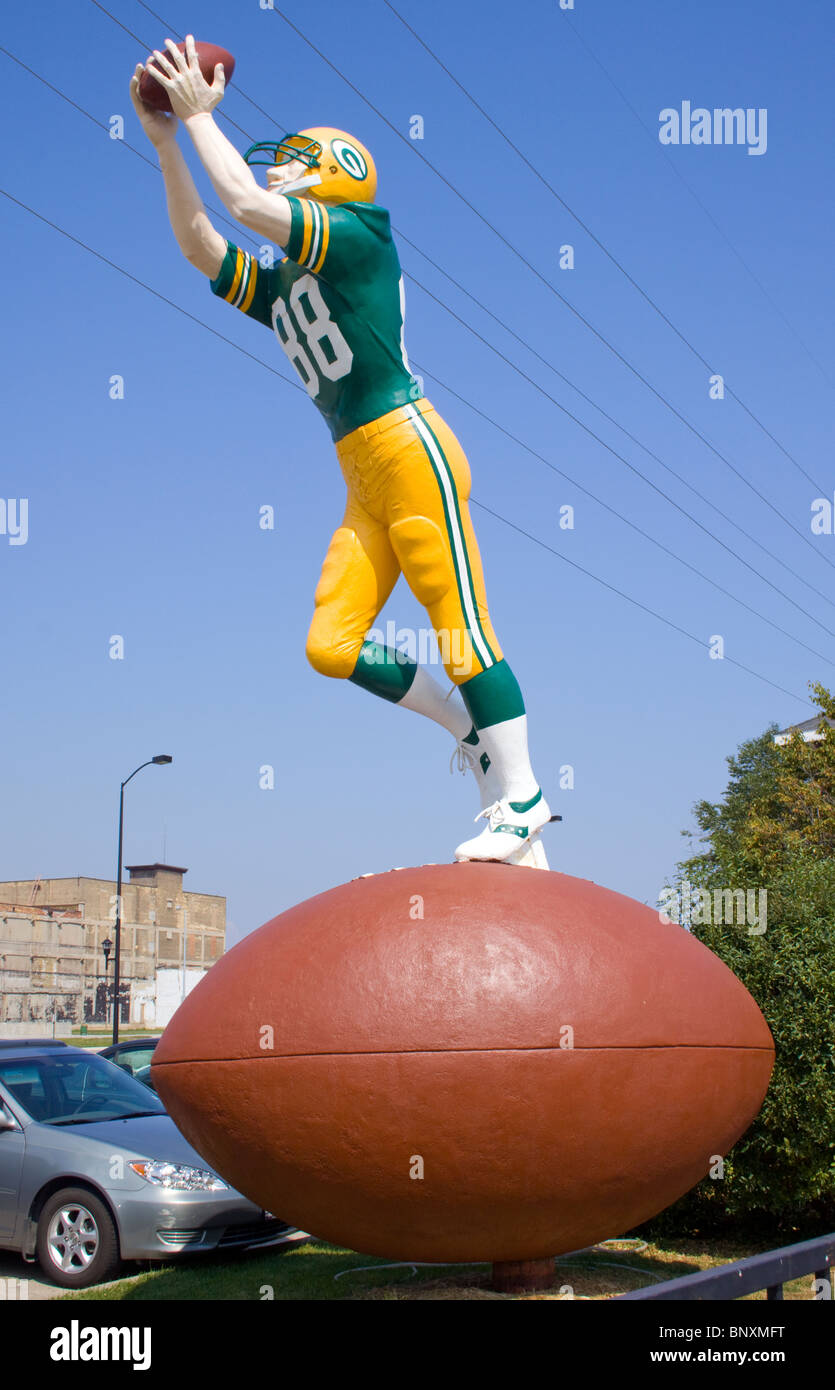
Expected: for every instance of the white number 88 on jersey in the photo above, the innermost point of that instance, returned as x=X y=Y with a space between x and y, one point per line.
x=325 y=352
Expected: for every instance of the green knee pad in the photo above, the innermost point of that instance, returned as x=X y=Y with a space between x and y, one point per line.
x=384 y=671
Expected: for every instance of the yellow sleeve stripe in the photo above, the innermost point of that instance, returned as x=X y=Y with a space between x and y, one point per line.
x=232 y=292
x=253 y=277
x=308 y=229
x=326 y=231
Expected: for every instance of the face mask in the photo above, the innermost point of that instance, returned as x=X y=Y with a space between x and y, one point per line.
x=307 y=182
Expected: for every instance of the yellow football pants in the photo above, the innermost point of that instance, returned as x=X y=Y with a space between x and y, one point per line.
x=408 y=482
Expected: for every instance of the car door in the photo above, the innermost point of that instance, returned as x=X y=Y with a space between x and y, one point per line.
x=12 y=1147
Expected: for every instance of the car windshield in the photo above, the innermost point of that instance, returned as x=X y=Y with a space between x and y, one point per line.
x=76 y=1090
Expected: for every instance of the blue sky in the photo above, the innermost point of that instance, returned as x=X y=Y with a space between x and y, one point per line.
x=143 y=512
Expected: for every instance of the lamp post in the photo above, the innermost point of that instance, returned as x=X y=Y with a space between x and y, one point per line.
x=106 y=947
x=159 y=761
x=185 y=939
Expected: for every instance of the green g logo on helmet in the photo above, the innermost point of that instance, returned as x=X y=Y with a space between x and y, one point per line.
x=350 y=158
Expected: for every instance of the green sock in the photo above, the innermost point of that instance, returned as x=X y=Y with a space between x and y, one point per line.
x=493 y=696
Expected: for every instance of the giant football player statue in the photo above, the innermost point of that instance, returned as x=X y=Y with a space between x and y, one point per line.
x=336 y=305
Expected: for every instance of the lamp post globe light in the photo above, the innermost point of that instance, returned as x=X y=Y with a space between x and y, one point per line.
x=159 y=761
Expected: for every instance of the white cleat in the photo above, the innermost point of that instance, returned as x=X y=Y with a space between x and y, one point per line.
x=512 y=833
x=532 y=854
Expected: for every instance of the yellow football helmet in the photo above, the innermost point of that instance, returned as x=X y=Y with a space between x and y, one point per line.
x=341 y=169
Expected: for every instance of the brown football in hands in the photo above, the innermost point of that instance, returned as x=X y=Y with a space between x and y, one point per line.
x=209 y=54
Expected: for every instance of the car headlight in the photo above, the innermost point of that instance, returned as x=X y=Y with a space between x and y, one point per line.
x=178 y=1176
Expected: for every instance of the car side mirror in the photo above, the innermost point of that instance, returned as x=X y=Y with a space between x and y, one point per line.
x=6 y=1121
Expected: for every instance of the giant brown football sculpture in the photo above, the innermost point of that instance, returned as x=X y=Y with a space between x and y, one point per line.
x=463 y=1062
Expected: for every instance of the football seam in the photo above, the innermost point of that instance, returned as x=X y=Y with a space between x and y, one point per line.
x=458 y=1051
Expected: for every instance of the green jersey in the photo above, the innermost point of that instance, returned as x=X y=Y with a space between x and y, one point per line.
x=336 y=305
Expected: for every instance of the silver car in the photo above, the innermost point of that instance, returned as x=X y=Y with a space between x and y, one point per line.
x=94 y=1172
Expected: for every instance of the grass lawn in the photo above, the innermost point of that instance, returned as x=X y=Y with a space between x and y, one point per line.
x=315 y=1270
x=103 y=1037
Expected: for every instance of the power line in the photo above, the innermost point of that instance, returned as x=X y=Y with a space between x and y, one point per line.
x=503 y=324
x=599 y=501
x=77 y=241
x=694 y=195
x=535 y=454
x=101 y=125
x=157 y=294
x=222 y=217
x=597 y=241
x=771 y=555
x=148 y=48
x=550 y=286
x=613 y=511
x=152 y=164
x=625 y=520
x=238 y=90
x=636 y=602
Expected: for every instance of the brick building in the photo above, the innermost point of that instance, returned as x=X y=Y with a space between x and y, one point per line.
x=52 y=966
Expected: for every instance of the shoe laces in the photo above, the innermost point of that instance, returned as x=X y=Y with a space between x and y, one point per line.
x=494 y=815
x=465 y=759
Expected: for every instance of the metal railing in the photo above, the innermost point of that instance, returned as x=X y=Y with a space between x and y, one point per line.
x=769 y=1271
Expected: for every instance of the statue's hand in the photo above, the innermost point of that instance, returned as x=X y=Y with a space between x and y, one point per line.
x=159 y=126
x=179 y=73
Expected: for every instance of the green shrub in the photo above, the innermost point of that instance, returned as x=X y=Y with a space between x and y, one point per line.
x=774 y=830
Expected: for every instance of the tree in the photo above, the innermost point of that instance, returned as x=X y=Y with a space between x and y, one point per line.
x=774 y=829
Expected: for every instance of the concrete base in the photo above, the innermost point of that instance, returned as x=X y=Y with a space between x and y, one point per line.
x=522 y=1276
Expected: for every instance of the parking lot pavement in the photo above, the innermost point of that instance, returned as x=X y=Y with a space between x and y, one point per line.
x=20 y=1281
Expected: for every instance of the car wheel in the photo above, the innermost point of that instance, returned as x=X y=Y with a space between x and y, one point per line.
x=77 y=1240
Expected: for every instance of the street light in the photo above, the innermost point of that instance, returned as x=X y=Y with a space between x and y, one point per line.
x=106 y=947
x=160 y=760
x=184 y=911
